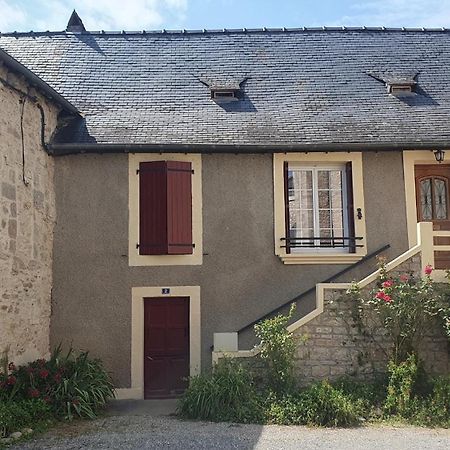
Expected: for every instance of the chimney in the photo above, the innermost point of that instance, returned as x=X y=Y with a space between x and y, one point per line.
x=75 y=24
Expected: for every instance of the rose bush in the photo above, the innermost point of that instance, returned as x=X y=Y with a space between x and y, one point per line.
x=406 y=307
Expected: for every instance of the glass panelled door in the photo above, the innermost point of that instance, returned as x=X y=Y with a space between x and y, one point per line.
x=432 y=197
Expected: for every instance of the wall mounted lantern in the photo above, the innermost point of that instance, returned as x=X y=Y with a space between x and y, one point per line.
x=439 y=155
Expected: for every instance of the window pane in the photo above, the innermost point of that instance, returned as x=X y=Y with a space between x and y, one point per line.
x=323 y=179
x=336 y=179
x=336 y=199
x=306 y=199
x=324 y=199
x=425 y=199
x=440 y=199
x=325 y=218
x=294 y=199
x=337 y=221
x=301 y=179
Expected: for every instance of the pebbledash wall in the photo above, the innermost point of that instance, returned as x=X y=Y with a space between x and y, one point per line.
x=27 y=215
x=240 y=277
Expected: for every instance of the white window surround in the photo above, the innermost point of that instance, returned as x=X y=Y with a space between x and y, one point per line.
x=320 y=256
x=134 y=258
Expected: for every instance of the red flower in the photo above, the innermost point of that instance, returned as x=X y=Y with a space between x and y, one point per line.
x=11 y=367
x=47 y=399
x=388 y=283
x=33 y=393
x=30 y=370
x=428 y=269
x=404 y=278
x=57 y=378
x=383 y=296
x=43 y=373
x=11 y=380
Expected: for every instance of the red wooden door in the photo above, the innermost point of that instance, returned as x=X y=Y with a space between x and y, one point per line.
x=432 y=200
x=166 y=346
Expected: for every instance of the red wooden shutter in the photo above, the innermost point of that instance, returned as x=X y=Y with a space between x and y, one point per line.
x=350 y=207
x=286 y=206
x=179 y=208
x=153 y=208
x=165 y=208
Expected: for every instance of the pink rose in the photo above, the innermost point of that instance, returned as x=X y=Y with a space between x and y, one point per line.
x=428 y=269
x=388 y=283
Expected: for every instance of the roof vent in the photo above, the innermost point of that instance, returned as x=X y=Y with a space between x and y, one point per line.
x=75 y=24
x=398 y=84
x=400 y=87
x=225 y=93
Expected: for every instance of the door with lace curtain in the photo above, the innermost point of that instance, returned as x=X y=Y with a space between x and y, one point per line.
x=432 y=200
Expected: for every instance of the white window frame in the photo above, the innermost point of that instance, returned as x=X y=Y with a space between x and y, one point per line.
x=326 y=160
x=315 y=167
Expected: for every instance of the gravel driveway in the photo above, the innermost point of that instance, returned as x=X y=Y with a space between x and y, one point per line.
x=148 y=432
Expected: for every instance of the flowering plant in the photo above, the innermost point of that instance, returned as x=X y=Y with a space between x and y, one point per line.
x=70 y=384
x=407 y=306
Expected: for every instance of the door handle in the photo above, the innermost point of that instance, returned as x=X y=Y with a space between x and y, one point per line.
x=150 y=358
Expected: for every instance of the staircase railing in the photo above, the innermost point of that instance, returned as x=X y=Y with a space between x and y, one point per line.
x=313 y=288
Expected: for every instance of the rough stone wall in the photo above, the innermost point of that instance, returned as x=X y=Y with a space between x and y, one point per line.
x=334 y=346
x=27 y=215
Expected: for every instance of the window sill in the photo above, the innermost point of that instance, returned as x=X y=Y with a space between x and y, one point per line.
x=323 y=258
x=165 y=260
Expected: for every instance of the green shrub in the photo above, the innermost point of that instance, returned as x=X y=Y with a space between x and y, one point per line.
x=440 y=399
x=320 y=404
x=400 y=390
x=435 y=410
x=16 y=415
x=277 y=350
x=327 y=406
x=226 y=394
x=369 y=395
x=73 y=385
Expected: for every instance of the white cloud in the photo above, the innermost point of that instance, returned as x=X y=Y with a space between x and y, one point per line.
x=399 y=13
x=11 y=16
x=96 y=14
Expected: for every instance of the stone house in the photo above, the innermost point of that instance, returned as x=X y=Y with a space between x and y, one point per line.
x=212 y=177
x=29 y=113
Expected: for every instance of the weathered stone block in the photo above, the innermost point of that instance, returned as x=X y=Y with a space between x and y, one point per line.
x=8 y=191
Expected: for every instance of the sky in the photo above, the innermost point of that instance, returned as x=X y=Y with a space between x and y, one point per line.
x=112 y=15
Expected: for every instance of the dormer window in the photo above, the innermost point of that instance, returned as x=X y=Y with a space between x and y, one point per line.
x=224 y=95
x=223 y=90
x=401 y=83
x=401 y=87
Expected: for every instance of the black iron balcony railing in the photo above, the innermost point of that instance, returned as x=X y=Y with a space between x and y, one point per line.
x=322 y=242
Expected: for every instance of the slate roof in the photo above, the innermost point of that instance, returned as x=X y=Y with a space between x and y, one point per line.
x=302 y=87
x=36 y=82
